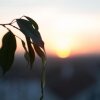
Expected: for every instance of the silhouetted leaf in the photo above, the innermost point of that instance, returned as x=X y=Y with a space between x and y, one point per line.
x=29 y=31
x=24 y=46
x=26 y=54
x=33 y=22
x=38 y=37
x=31 y=51
x=40 y=52
x=7 y=51
x=27 y=58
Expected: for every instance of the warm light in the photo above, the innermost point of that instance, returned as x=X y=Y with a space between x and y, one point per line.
x=63 y=47
x=63 y=52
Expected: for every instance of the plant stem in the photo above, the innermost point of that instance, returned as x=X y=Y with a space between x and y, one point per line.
x=42 y=80
x=5 y=27
x=15 y=27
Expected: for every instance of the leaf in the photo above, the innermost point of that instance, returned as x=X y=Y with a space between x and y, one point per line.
x=38 y=38
x=40 y=52
x=33 y=22
x=29 y=31
x=31 y=51
x=24 y=46
x=7 y=51
x=26 y=55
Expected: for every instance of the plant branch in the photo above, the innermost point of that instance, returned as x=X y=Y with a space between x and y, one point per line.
x=5 y=24
x=15 y=27
x=12 y=21
x=5 y=27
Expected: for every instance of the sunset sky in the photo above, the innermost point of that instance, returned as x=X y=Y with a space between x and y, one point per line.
x=68 y=27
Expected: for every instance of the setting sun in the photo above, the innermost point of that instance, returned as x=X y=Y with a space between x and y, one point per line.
x=63 y=52
x=62 y=47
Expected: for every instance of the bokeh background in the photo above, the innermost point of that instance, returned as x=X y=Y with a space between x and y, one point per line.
x=71 y=32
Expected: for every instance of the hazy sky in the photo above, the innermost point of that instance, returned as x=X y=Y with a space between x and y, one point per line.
x=77 y=21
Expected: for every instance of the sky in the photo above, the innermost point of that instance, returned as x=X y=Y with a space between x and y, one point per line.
x=68 y=27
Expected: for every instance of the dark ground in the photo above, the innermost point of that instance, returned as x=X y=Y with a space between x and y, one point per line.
x=65 y=78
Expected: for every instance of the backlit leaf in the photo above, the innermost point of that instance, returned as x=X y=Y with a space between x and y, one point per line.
x=26 y=54
x=33 y=22
x=29 y=31
x=40 y=52
x=7 y=51
x=24 y=46
x=31 y=51
x=27 y=58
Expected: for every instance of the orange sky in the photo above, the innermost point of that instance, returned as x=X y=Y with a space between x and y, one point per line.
x=66 y=27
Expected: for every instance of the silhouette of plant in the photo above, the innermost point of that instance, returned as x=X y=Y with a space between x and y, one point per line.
x=34 y=42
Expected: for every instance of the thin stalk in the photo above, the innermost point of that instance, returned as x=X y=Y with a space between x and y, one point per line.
x=43 y=70
x=5 y=27
x=15 y=27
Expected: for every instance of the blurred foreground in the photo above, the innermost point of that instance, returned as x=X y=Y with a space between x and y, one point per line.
x=74 y=78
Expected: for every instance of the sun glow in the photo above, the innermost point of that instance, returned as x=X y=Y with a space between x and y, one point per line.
x=63 y=48
x=63 y=52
